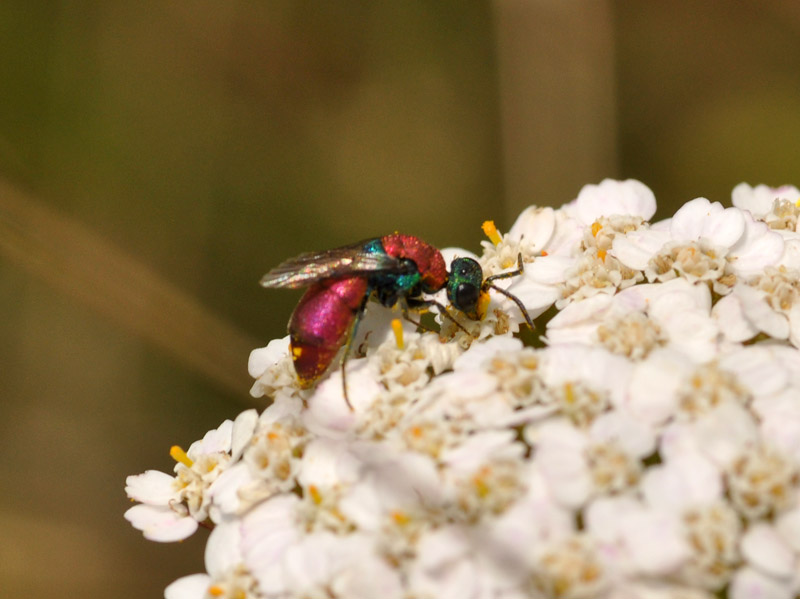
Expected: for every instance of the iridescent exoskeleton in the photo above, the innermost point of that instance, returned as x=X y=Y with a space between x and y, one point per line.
x=393 y=269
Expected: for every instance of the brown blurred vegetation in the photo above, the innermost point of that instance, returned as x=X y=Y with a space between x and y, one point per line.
x=157 y=157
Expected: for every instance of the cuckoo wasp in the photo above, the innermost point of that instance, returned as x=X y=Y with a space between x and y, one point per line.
x=393 y=268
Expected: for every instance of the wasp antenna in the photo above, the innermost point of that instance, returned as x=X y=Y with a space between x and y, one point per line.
x=514 y=299
x=445 y=312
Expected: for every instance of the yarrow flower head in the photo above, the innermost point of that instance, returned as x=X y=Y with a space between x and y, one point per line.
x=641 y=441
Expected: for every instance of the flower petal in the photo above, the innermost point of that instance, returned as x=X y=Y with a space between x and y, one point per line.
x=160 y=523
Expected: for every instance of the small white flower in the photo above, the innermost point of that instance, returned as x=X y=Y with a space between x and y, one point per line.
x=227 y=576
x=722 y=434
x=701 y=219
x=686 y=480
x=625 y=528
x=749 y=582
x=756 y=249
x=610 y=198
x=770 y=304
x=571 y=568
x=779 y=416
x=763 y=481
x=172 y=507
x=702 y=242
x=764 y=549
x=777 y=206
x=272 y=368
x=642 y=318
x=654 y=391
x=714 y=533
x=447 y=566
x=578 y=465
x=536 y=226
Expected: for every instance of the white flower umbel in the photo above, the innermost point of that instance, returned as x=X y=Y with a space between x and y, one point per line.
x=642 y=442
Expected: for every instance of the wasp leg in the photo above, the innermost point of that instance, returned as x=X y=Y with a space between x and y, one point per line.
x=406 y=305
x=511 y=273
x=348 y=346
x=422 y=303
x=505 y=275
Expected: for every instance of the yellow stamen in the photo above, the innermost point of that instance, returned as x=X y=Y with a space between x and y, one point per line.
x=316 y=496
x=483 y=305
x=543 y=253
x=400 y=518
x=216 y=591
x=177 y=454
x=601 y=254
x=491 y=232
x=569 y=393
x=397 y=327
x=797 y=203
x=596 y=228
x=481 y=486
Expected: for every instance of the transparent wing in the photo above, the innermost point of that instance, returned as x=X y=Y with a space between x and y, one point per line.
x=308 y=268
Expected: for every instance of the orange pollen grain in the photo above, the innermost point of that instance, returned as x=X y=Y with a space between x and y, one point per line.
x=316 y=496
x=491 y=232
x=177 y=454
x=569 y=393
x=400 y=518
x=596 y=228
x=481 y=486
x=397 y=329
x=216 y=591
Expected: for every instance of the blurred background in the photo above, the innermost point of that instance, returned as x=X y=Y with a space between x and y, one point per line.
x=156 y=158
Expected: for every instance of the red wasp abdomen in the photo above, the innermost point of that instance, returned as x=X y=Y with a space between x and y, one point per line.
x=320 y=322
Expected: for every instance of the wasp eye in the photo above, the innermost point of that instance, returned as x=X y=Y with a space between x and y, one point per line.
x=466 y=298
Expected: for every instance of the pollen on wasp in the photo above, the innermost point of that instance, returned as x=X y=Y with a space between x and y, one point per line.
x=483 y=305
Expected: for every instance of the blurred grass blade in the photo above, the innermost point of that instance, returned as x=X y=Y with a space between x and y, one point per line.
x=77 y=262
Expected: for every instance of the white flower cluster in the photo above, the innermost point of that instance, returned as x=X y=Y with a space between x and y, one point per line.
x=645 y=445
